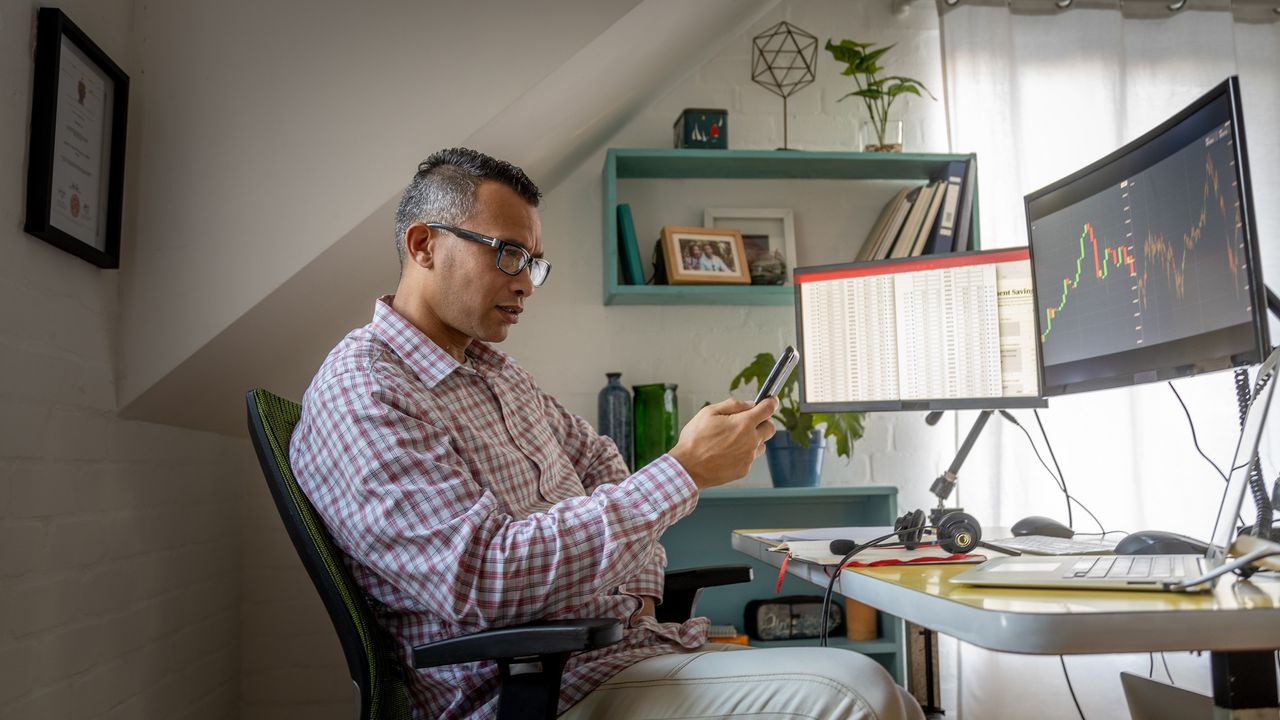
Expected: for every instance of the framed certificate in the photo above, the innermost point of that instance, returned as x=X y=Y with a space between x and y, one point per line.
x=75 y=163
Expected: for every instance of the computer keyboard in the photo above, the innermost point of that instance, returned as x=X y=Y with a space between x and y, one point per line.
x=1047 y=545
x=1161 y=567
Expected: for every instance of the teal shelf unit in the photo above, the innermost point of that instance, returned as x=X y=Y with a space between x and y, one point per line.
x=657 y=164
x=703 y=538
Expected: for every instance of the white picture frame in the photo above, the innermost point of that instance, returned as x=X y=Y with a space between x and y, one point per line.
x=775 y=225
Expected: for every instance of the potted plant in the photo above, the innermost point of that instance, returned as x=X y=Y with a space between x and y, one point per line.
x=795 y=454
x=862 y=63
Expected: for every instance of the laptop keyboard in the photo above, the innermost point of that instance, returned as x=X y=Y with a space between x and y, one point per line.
x=1047 y=545
x=1128 y=567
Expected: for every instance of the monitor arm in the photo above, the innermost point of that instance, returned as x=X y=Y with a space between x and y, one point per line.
x=946 y=482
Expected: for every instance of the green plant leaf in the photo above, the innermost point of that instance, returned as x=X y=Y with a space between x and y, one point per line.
x=755 y=373
x=842 y=428
x=875 y=54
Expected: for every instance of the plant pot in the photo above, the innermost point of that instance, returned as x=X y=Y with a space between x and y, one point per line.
x=792 y=465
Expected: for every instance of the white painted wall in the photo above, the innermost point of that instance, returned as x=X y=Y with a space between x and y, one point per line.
x=273 y=128
x=119 y=541
x=569 y=339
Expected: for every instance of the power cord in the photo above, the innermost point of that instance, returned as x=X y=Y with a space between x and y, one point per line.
x=1066 y=675
x=1165 y=662
x=1056 y=479
x=1194 y=440
x=1061 y=478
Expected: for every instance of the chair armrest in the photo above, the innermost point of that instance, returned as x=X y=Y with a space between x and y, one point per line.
x=682 y=587
x=709 y=576
x=547 y=638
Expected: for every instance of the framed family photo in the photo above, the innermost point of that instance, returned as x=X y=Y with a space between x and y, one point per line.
x=702 y=256
x=75 y=160
x=767 y=233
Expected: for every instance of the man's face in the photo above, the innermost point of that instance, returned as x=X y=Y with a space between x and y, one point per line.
x=469 y=294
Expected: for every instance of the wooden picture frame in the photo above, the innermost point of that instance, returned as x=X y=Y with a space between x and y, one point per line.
x=704 y=256
x=75 y=159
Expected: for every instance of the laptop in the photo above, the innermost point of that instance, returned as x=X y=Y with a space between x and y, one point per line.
x=1049 y=545
x=1145 y=572
x=1154 y=700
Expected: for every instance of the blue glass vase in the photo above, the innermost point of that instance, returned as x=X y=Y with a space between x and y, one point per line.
x=614 y=411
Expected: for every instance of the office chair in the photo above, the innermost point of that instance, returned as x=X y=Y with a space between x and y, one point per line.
x=375 y=669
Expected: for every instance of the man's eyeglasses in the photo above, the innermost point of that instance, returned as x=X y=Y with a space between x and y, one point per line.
x=511 y=257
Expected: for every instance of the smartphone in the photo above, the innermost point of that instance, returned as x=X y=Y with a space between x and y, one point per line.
x=779 y=374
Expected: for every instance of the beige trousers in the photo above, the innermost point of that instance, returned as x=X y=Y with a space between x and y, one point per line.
x=723 y=681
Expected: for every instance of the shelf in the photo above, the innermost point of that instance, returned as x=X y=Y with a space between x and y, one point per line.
x=658 y=164
x=700 y=294
x=774 y=495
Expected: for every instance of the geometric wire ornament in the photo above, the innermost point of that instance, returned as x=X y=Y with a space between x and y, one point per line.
x=783 y=60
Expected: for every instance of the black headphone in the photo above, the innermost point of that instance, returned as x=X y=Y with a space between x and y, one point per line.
x=956 y=532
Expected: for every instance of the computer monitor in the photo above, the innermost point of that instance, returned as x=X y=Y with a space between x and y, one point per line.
x=1146 y=262
x=935 y=332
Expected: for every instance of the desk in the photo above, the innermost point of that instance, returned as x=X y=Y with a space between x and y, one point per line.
x=1239 y=623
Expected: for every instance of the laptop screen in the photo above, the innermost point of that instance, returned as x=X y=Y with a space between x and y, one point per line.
x=1246 y=449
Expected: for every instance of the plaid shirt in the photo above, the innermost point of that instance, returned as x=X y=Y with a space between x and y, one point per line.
x=467 y=499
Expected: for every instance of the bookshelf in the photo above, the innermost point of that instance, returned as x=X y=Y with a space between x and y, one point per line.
x=658 y=164
x=703 y=538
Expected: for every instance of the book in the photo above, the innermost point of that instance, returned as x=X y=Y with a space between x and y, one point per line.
x=906 y=239
x=628 y=247
x=894 y=226
x=930 y=216
x=873 y=238
x=964 y=214
x=941 y=238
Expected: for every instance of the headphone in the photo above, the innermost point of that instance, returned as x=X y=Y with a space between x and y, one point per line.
x=957 y=533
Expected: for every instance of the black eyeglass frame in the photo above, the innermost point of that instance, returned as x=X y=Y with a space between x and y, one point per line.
x=526 y=260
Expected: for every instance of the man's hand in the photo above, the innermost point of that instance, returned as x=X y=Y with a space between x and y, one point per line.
x=646 y=607
x=719 y=444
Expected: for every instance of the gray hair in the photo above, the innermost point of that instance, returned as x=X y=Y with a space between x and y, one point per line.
x=444 y=189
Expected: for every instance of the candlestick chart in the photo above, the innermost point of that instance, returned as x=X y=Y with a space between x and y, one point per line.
x=1156 y=257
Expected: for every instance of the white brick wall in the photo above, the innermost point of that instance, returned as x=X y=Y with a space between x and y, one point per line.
x=119 y=541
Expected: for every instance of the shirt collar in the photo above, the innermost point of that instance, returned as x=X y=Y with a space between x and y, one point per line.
x=421 y=353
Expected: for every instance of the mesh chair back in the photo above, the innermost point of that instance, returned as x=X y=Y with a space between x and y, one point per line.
x=374 y=668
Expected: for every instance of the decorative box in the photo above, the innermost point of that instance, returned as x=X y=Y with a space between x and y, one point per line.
x=702 y=128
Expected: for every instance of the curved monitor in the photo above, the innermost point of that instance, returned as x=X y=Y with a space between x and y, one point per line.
x=1146 y=262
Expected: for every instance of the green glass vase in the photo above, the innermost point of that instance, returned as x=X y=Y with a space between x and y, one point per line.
x=656 y=425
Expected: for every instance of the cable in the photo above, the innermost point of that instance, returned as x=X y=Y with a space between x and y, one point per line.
x=826 y=597
x=1061 y=478
x=1194 y=440
x=1166 y=669
x=1073 y=690
x=1257 y=486
x=1151 y=665
x=1061 y=485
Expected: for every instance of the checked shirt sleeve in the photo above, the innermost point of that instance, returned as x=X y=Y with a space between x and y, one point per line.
x=402 y=502
x=595 y=458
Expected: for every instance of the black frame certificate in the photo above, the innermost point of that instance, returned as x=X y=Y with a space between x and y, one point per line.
x=75 y=162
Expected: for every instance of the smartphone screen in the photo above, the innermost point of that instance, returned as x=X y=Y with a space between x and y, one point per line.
x=779 y=374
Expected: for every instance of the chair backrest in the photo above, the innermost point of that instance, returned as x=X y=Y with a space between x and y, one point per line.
x=374 y=667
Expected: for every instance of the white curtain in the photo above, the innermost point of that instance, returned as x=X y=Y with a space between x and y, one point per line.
x=1038 y=93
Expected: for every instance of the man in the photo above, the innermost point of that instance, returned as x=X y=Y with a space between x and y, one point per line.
x=711 y=261
x=466 y=498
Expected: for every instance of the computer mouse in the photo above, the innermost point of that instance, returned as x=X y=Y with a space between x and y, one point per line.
x=1158 y=542
x=1041 y=525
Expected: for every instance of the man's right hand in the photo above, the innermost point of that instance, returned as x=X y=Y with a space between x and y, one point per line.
x=719 y=444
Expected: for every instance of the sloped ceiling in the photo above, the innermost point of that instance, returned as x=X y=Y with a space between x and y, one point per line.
x=279 y=341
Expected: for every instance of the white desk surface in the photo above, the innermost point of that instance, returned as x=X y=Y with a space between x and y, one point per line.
x=1235 y=616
